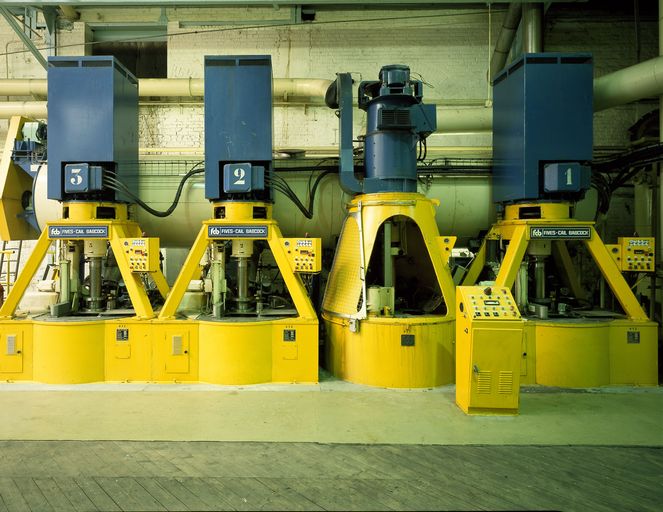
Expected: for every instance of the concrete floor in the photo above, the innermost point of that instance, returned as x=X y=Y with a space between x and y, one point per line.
x=330 y=412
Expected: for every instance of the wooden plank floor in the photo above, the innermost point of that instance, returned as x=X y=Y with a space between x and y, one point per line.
x=137 y=476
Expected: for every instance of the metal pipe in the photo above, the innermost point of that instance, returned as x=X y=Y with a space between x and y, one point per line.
x=30 y=109
x=532 y=28
x=450 y=120
x=505 y=39
x=24 y=87
x=643 y=80
x=309 y=90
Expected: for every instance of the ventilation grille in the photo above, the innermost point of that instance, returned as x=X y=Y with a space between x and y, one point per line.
x=484 y=383
x=177 y=345
x=505 y=386
x=11 y=344
x=391 y=118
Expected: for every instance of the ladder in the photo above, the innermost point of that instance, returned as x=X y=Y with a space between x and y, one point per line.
x=10 y=259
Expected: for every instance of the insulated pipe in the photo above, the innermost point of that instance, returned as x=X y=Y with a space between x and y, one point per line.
x=532 y=28
x=309 y=90
x=24 y=87
x=643 y=80
x=29 y=109
x=505 y=39
x=450 y=120
x=464 y=120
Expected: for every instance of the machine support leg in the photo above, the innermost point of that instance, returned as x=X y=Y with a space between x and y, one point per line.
x=513 y=257
x=614 y=277
x=162 y=284
x=477 y=265
x=447 y=286
x=132 y=281
x=182 y=282
x=569 y=275
x=25 y=276
x=292 y=281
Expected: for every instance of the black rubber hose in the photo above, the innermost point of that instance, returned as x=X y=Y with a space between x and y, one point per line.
x=193 y=171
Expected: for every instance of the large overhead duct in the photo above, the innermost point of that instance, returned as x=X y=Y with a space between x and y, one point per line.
x=643 y=80
x=532 y=28
x=505 y=39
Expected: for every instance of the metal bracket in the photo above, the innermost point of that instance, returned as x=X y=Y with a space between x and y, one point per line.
x=14 y=24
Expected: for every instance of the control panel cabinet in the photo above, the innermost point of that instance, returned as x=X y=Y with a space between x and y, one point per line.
x=489 y=332
x=142 y=254
x=634 y=254
x=304 y=254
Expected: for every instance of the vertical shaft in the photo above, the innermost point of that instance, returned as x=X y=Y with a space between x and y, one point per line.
x=218 y=282
x=243 y=284
x=65 y=283
x=388 y=258
x=540 y=277
x=95 y=283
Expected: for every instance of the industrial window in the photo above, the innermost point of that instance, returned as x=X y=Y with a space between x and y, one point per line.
x=141 y=48
x=145 y=59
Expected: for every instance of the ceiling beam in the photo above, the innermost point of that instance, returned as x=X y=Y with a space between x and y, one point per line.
x=68 y=12
x=218 y=3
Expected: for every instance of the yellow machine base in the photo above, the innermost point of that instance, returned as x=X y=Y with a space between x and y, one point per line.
x=386 y=350
x=151 y=351
x=379 y=355
x=16 y=349
x=585 y=354
x=133 y=350
x=283 y=350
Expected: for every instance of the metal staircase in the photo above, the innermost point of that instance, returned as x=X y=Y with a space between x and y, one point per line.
x=10 y=260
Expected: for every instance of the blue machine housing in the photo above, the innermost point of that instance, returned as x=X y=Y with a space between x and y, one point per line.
x=542 y=128
x=397 y=123
x=238 y=127
x=92 y=120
